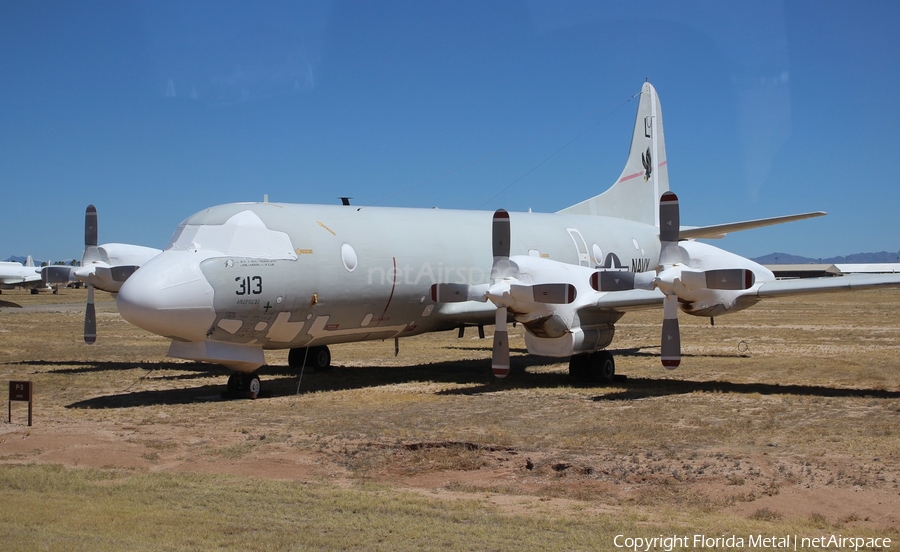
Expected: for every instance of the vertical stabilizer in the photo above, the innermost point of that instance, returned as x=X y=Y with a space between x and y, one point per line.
x=29 y=261
x=635 y=195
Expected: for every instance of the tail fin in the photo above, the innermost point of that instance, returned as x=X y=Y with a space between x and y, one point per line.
x=29 y=261
x=635 y=195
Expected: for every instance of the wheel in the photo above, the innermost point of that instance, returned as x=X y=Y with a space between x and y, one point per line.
x=243 y=385
x=320 y=358
x=251 y=385
x=579 y=367
x=603 y=367
x=317 y=358
x=234 y=385
x=296 y=356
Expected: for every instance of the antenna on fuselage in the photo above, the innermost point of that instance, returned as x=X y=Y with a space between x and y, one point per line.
x=345 y=200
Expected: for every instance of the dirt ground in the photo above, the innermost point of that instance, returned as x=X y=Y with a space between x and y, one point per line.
x=787 y=411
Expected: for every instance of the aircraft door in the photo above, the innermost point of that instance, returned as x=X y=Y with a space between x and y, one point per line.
x=584 y=258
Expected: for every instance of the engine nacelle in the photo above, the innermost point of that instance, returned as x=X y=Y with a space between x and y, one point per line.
x=716 y=302
x=584 y=339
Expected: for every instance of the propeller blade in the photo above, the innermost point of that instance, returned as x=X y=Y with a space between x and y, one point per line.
x=449 y=293
x=10 y=304
x=669 y=219
x=670 y=346
x=122 y=272
x=669 y=230
x=90 y=226
x=500 y=233
x=500 y=352
x=612 y=280
x=56 y=275
x=91 y=252
x=733 y=279
x=500 y=236
x=555 y=294
x=90 y=318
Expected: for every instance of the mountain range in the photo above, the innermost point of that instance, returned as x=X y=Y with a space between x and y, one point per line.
x=855 y=258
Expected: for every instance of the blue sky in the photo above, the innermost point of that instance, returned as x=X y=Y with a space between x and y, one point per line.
x=155 y=110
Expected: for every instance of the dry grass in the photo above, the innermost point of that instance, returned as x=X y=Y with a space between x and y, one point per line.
x=782 y=419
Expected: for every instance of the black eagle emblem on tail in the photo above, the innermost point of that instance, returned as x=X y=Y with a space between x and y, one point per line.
x=648 y=164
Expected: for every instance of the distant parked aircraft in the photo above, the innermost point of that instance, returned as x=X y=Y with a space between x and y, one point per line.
x=13 y=275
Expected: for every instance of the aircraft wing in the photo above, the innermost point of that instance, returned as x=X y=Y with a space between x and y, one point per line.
x=636 y=299
x=717 y=231
x=24 y=278
x=849 y=282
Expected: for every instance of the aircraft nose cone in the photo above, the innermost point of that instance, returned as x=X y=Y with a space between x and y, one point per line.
x=169 y=296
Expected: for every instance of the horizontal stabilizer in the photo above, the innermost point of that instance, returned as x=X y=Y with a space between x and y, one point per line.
x=717 y=231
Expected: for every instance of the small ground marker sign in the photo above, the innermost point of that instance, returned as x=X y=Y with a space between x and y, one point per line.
x=20 y=391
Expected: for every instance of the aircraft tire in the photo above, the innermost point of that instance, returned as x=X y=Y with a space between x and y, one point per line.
x=602 y=367
x=232 y=388
x=318 y=358
x=321 y=358
x=251 y=385
x=296 y=356
x=242 y=386
x=580 y=367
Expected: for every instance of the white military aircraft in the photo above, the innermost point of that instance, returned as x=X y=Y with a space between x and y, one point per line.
x=14 y=274
x=103 y=267
x=240 y=278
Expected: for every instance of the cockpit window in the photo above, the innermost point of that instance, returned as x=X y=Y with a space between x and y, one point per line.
x=242 y=235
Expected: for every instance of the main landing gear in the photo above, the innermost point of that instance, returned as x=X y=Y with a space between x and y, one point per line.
x=316 y=358
x=247 y=386
x=599 y=366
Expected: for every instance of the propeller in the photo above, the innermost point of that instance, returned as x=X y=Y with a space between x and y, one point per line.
x=669 y=255
x=91 y=254
x=504 y=290
x=103 y=267
x=501 y=268
x=672 y=277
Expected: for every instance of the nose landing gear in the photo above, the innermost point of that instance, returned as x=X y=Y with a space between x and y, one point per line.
x=242 y=386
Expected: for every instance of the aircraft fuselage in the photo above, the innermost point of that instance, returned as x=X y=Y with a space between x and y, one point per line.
x=284 y=276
